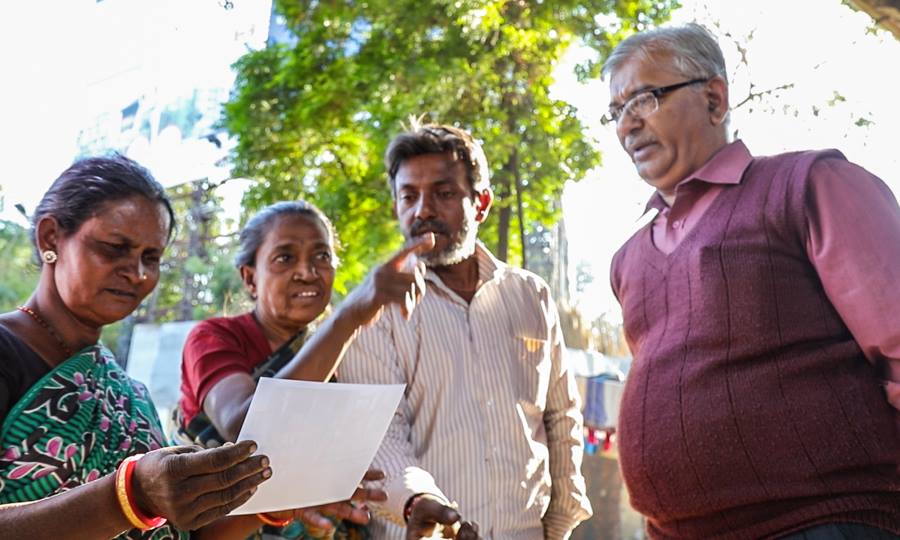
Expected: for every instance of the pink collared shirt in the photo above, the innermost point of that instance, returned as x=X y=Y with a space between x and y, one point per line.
x=854 y=244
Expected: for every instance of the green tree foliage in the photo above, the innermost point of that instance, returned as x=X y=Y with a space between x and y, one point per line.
x=313 y=117
x=18 y=269
x=197 y=278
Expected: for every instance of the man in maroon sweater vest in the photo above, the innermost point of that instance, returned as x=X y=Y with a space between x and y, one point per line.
x=762 y=306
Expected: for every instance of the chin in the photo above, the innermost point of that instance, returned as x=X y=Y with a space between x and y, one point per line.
x=111 y=316
x=302 y=319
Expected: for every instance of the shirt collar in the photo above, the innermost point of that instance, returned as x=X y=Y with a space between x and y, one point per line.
x=489 y=267
x=726 y=167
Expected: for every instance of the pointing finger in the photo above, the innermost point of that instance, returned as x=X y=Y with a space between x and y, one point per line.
x=405 y=260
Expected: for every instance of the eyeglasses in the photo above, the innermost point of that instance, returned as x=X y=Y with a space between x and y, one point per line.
x=644 y=103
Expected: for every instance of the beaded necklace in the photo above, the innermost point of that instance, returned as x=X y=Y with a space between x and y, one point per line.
x=38 y=319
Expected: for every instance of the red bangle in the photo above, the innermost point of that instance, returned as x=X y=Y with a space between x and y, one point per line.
x=148 y=522
x=275 y=522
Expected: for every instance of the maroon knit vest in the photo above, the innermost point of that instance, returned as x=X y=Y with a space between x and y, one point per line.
x=750 y=411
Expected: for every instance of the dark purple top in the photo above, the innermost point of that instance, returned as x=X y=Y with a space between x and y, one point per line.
x=750 y=410
x=853 y=237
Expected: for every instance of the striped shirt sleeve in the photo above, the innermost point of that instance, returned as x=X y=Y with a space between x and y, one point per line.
x=563 y=421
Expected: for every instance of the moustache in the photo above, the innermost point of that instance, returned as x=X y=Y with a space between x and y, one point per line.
x=420 y=226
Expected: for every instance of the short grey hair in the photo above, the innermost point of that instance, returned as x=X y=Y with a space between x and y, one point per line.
x=694 y=51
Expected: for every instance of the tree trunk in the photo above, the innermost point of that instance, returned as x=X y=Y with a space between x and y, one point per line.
x=520 y=214
x=504 y=213
x=186 y=305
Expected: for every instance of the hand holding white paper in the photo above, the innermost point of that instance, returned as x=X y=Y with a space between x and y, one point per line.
x=320 y=439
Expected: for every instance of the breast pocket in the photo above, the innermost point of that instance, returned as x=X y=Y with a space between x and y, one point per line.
x=534 y=364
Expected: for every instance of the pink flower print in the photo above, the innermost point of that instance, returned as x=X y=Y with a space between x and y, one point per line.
x=85 y=396
x=154 y=445
x=132 y=426
x=71 y=450
x=91 y=476
x=126 y=444
x=78 y=378
x=44 y=472
x=11 y=454
x=120 y=402
x=54 y=445
x=104 y=424
x=22 y=470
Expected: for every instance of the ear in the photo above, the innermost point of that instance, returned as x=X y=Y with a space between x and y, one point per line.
x=483 y=201
x=717 y=99
x=47 y=233
x=248 y=276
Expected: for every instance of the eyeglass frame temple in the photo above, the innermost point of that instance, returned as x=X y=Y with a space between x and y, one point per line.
x=657 y=93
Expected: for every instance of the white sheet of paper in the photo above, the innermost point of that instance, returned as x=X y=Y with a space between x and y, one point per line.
x=320 y=439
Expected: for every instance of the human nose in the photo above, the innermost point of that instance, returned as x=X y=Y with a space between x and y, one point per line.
x=305 y=271
x=628 y=122
x=425 y=207
x=136 y=271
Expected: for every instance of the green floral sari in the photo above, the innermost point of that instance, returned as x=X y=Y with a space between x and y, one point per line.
x=74 y=426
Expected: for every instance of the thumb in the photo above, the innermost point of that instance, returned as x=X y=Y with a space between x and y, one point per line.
x=423 y=243
x=448 y=516
x=437 y=512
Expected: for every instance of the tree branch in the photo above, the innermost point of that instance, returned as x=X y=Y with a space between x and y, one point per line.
x=756 y=95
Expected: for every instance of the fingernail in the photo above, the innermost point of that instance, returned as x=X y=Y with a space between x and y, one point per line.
x=252 y=448
x=264 y=462
x=267 y=473
x=228 y=443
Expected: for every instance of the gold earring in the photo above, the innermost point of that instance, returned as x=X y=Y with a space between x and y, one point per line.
x=143 y=277
x=49 y=256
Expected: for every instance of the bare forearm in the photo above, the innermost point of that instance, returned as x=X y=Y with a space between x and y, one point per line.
x=229 y=528
x=63 y=515
x=227 y=403
x=233 y=419
x=321 y=355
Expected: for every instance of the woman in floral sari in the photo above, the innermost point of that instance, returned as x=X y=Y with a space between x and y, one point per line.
x=80 y=442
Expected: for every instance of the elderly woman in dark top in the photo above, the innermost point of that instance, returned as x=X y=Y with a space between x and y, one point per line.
x=79 y=438
x=287 y=262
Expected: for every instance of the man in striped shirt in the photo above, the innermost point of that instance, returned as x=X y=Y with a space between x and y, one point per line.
x=490 y=419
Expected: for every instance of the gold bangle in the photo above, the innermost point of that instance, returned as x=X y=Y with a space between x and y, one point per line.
x=122 y=495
